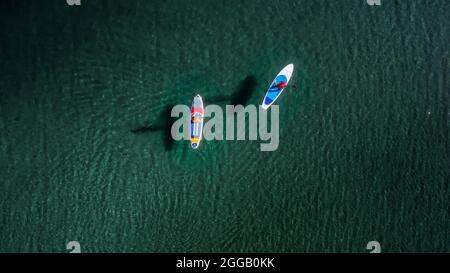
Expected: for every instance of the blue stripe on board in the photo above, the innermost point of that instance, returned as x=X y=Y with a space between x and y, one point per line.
x=273 y=91
x=267 y=101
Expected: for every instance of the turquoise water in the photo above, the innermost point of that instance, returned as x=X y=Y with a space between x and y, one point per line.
x=364 y=126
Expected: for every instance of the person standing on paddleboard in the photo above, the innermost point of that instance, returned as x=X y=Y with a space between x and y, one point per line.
x=281 y=85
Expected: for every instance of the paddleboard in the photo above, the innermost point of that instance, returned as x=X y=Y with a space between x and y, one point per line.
x=277 y=86
x=196 y=121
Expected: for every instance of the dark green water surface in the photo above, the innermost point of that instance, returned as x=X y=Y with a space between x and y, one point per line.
x=364 y=126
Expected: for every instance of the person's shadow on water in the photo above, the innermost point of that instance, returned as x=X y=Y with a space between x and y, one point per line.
x=244 y=91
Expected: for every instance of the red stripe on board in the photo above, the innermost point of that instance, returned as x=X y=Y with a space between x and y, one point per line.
x=196 y=109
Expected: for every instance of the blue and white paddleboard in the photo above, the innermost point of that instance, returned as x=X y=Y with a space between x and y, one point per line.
x=277 y=86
